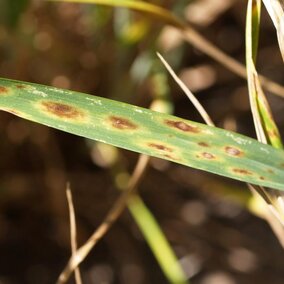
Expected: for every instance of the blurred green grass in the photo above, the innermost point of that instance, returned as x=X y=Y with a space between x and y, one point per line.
x=77 y=47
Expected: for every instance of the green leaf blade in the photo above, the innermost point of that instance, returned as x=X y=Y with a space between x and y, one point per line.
x=141 y=130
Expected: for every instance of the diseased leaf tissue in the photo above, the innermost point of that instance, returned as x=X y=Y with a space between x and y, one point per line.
x=148 y=132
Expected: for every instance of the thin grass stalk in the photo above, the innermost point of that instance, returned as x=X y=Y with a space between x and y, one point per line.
x=256 y=191
x=73 y=232
x=266 y=129
x=275 y=9
x=189 y=34
x=111 y=217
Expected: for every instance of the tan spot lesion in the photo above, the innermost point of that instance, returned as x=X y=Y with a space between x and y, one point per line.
x=15 y=112
x=182 y=126
x=3 y=90
x=12 y=111
x=19 y=86
x=272 y=133
x=62 y=110
x=122 y=123
x=160 y=147
x=163 y=150
x=242 y=171
x=171 y=157
x=233 y=151
x=208 y=156
x=203 y=144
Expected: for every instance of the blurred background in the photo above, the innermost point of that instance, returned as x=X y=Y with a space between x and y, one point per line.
x=112 y=53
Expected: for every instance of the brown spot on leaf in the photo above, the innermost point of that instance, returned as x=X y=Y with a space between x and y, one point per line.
x=242 y=171
x=12 y=111
x=160 y=147
x=208 y=155
x=3 y=90
x=233 y=151
x=167 y=156
x=122 y=123
x=20 y=86
x=182 y=126
x=262 y=178
x=203 y=144
x=272 y=133
x=62 y=110
x=270 y=171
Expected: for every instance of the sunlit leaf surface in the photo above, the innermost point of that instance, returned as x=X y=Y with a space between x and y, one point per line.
x=144 y=131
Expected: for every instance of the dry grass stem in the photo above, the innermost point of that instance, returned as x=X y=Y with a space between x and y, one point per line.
x=276 y=12
x=255 y=91
x=188 y=93
x=111 y=217
x=191 y=36
x=272 y=215
x=73 y=232
x=263 y=121
x=201 y=43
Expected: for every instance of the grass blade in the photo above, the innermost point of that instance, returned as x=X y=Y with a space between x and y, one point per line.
x=141 y=130
x=190 y=35
x=156 y=240
x=276 y=13
x=149 y=227
x=266 y=129
x=152 y=9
